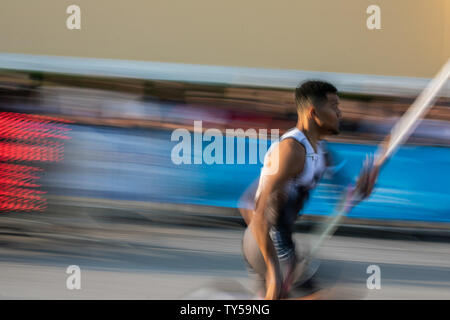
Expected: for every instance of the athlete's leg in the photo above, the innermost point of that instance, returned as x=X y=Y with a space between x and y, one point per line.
x=285 y=247
x=255 y=262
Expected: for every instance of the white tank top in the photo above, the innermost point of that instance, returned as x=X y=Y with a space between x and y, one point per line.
x=313 y=170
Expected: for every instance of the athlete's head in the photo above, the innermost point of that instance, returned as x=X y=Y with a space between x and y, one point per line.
x=318 y=101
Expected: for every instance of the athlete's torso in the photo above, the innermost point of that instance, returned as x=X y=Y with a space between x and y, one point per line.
x=297 y=189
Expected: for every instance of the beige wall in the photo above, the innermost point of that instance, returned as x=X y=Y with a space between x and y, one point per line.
x=320 y=35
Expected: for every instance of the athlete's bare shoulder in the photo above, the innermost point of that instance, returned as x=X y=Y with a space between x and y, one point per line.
x=294 y=147
x=291 y=156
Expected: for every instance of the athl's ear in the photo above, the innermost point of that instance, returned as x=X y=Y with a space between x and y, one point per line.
x=312 y=113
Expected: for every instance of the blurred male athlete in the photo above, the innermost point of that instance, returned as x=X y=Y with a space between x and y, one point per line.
x=292 y=167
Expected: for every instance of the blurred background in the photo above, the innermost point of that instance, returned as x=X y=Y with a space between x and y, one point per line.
x=86 y=118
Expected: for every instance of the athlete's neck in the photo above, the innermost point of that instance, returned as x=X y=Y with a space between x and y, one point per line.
x=311 y=131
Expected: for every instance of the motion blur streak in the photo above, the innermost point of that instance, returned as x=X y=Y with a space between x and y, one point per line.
x=87 y=179
x=30 y=139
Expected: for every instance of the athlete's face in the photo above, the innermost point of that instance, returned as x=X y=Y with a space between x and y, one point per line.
x=328 y=115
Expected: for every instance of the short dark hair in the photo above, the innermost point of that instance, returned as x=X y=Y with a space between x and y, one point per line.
x=312 y=92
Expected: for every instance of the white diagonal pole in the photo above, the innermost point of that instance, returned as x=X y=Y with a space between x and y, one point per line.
x=399 y=134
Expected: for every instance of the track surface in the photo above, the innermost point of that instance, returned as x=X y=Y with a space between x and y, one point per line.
x=150 y=261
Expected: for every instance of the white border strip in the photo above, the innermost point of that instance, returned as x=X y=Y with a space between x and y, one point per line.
x=278 y=78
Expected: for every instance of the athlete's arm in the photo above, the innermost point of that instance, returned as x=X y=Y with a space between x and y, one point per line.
x=289 y=159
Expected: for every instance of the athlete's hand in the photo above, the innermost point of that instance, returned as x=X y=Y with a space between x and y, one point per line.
x=367 y=178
